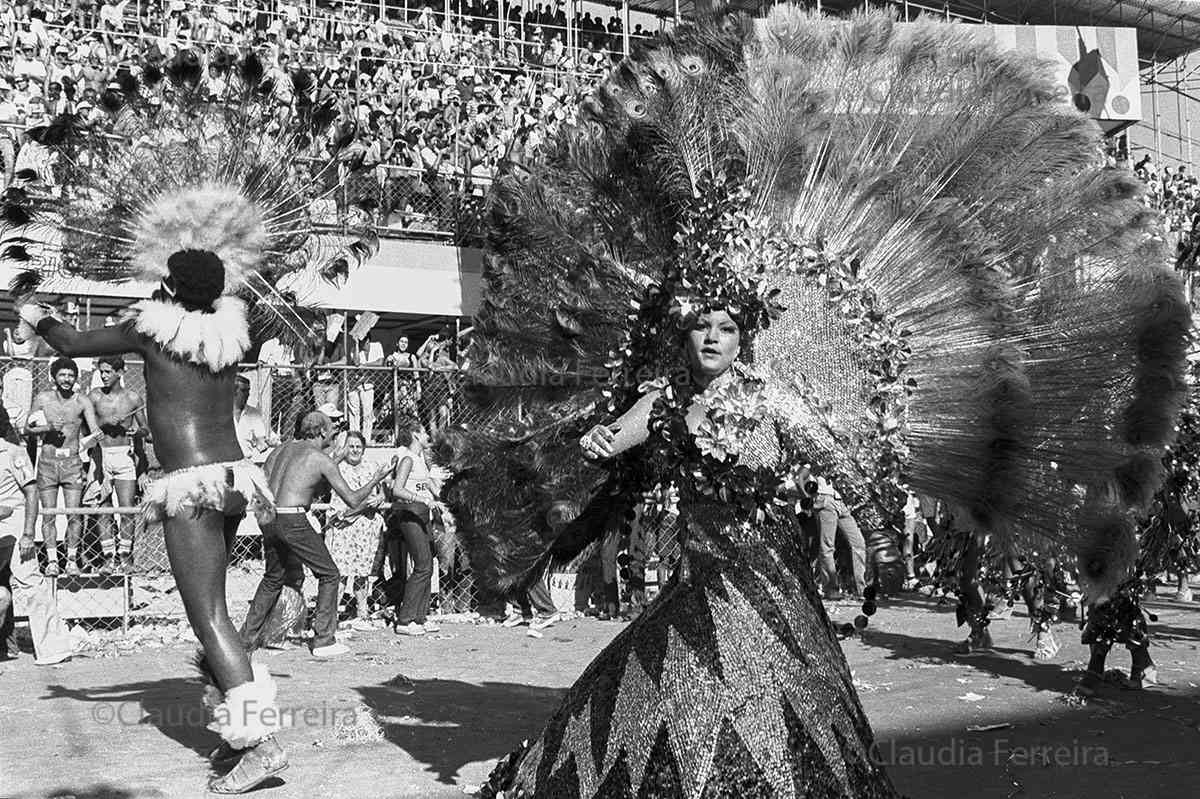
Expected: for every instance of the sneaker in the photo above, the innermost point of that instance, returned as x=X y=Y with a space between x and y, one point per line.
x=1147 y=677
x=412 y=628
x=52 y=569
x=52 y=660
x=256 y=765
x=127 y=563
x=1046 y=647
x=431 y=627
x=332 y=650
x=72 y=569
x=542 y=622
x=514 y=620
x=109 y=566
x=363 y=626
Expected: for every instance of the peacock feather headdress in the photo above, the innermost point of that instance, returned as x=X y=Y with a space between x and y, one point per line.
x=948 y=286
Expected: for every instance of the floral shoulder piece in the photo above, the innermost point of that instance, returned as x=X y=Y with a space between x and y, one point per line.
x=735 y=408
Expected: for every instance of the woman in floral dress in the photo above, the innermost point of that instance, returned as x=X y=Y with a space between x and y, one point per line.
x=353 y=537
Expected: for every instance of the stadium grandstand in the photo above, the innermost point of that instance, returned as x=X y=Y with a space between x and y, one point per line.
x=441 y=93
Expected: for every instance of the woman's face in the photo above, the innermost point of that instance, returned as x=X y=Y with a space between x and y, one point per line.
x=713 y=344
x=354 y=451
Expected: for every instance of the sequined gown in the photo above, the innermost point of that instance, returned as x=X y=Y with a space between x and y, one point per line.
x=731 y=683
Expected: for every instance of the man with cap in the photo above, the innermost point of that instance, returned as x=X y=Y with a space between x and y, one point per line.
x=297 y=471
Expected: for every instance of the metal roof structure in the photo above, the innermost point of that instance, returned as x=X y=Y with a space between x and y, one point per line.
x=1167 y=29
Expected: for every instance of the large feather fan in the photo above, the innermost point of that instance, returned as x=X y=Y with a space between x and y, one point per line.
x=215 y=156
x=974 y=303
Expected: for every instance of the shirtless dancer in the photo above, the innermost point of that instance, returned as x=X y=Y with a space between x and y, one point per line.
x=56 y=416
x=296 y=471
x=121 y=414
x=191 y=339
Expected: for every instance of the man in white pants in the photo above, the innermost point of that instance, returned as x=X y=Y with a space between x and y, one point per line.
x=18 y=522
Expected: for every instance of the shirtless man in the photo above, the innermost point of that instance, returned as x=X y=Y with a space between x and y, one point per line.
x=190 y=335
x=296 y=471
x=56 y=415
x=122 y=417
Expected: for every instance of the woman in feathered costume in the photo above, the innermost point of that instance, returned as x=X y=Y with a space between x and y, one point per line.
x=205 y=204
x=801 y=246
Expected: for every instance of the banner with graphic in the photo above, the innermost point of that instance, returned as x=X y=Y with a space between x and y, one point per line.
x=1098 y=67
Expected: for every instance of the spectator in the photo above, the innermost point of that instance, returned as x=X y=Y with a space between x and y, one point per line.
x=354 y=534
x=57 y=416
x=121 y=414
x=834 y=517
x=413 y=492
x=19 y=575
x=254 y=435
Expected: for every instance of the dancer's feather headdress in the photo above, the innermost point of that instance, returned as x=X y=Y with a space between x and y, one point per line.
x=217 y=158
x=943 y=281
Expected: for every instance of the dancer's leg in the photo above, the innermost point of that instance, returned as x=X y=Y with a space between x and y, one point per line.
x=972 y=595
x=196 y=550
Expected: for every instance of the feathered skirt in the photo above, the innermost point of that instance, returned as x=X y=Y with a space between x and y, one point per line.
x=230 y=488
x=731 y=683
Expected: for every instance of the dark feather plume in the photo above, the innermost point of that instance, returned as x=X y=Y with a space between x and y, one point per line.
x=152 y=75
x=128 y=83
x=185 y=70
x=24 y=283
x=251 y=70
x=16 y=252
x=60 y=130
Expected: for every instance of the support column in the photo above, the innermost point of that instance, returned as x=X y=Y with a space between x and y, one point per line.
x=625 y=25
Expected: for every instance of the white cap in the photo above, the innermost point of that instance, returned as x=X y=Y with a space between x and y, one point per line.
x=330 y=410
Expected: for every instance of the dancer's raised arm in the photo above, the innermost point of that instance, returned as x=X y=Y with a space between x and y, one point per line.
x=66 y=340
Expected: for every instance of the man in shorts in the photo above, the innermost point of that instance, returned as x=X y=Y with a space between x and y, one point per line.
x=121 y=414
x=57 y=416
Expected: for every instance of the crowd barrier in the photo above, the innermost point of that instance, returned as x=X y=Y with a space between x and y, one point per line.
x=375 y=400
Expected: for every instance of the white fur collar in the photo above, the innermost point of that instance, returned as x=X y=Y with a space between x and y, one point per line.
x=216 y=340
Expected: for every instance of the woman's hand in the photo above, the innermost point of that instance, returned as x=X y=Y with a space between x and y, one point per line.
x=597 y=443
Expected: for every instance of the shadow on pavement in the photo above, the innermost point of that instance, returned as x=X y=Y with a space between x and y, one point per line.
x=447 y=723
x=173 y=705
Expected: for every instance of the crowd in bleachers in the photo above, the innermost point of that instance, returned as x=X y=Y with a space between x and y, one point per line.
x=1173 y=190
x=440 y=99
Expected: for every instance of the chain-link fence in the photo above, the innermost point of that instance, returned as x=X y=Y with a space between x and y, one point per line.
x=375 y=401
